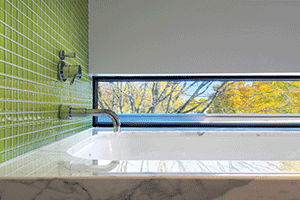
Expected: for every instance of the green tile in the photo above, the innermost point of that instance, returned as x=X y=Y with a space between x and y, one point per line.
x=42 y=51
x=15 y=130
x=20 y=140
x=2 y=16
x=20 y=70
x=15 y=153
x=9 y=155
x=2 y=157
x=25 y=139
x=14 y=107
x=14 y=12
x=25 y=75
x=2 y=129
x=20 y=63
x=14 y=95
x=35 y=145
x=15 y=3
x=20 y=17
x=2 y=64
x=20 y=118
x=8 y=20
x=15 y=142
x=2 y=5
x=30 y=137
x=25 y=128
x=15 y=70
x=9 y=71
x=25 y=148
x=2 y=116
x=8 y=8
x=9 y=56
x=8 y=106
x=2 y=94
x=8 y=95
x=20 y=98
x=2 y=44
x=20 y=151
x=9 y=45
x=15 y=118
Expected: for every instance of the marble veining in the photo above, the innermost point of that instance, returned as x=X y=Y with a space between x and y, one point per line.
x=40 y=189
x=147 y=188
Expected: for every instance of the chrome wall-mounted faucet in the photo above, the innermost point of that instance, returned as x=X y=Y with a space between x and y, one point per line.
x=68 y=112
x=63 y=55
x=69 y=71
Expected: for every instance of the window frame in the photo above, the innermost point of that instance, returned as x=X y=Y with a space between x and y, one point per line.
x=190 y=124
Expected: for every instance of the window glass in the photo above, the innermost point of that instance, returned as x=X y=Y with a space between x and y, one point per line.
x=200 y=97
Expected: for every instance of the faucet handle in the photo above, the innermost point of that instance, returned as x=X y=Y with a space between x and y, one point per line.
x=69 y=71
x=63 y=55
x=75 y=72
x=73 y=80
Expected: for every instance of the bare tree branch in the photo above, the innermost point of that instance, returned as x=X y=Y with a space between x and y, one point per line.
x=213 y=97
x=179 y=110
x=174 y=85
x=184 y=89
x=162 y=99
x=142 y=97
x=121 y=98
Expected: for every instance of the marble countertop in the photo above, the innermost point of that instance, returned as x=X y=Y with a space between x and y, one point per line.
x=54 y=161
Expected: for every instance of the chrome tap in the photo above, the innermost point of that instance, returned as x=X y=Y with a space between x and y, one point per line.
x=63 y=55
x=69 y=71
x=68 y=112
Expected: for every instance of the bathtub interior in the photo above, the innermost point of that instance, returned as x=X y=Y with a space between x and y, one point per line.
x=189 y=145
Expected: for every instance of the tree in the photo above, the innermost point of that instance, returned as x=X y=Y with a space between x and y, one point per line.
x=167 y=97
x=259 y=97
x=290 y=166
x=181 y=97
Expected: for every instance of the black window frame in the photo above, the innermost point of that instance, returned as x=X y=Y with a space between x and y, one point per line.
x=250 y=77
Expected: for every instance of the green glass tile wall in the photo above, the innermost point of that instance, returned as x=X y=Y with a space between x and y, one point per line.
x=31 y=34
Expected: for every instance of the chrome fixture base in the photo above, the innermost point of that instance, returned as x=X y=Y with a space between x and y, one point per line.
x=68 y=71
x=64 y=112
x=63 y=55
x=61 y=76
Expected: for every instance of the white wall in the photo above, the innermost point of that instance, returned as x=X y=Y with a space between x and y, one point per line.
x=193 y=36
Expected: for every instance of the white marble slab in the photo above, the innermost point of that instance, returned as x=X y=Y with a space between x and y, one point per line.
x=148 y=188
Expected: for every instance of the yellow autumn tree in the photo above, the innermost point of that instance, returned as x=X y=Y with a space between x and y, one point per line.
x=259 y=97
x=289 y=166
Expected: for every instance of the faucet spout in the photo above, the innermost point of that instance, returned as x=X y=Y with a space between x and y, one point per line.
x=106 y=112
x=67 y=112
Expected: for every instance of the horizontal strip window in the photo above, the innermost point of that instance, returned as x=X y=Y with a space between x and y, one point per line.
x=198 y=101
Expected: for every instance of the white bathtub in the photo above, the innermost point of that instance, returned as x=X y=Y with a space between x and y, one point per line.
x=189 y=146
